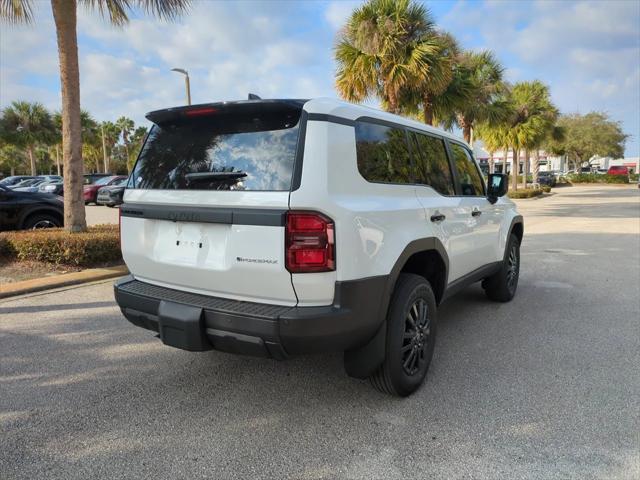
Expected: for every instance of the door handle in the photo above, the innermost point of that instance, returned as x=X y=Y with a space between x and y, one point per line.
x=438 y=217
x=476 y=213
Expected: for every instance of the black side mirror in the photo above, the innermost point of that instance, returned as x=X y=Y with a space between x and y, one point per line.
x=497 y=187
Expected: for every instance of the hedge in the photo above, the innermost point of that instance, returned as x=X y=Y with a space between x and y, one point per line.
x=525 y=193
x=596 y=178
x=99 y=245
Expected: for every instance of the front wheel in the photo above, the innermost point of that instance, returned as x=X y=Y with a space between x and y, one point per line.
x=502 y=285
x=411 y=337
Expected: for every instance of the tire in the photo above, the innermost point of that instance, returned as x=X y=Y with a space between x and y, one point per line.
x=502 y=286
x=41 y=220
x=403 y=371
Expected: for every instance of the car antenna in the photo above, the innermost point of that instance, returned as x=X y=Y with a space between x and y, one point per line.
x=253 y=96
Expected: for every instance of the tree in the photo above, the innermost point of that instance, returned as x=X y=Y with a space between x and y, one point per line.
x=385 y=45
x=126 y=127
x=480 y=99
x=137 y=140
x=110 y=134
x=588 y=135
x=531 y=115
x=425 y=94
x=12 y=159
x=65 y=19
x=27 y=125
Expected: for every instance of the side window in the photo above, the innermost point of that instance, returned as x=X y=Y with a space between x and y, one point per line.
x=383 y=154
x=431 y=164
x=468 y=174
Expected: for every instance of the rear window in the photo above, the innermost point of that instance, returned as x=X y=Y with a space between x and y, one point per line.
x=241 y=150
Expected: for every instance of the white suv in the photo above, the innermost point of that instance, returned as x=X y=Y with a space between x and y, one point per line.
x=282 y=227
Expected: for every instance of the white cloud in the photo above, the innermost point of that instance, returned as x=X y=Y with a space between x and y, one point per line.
x=338 y=12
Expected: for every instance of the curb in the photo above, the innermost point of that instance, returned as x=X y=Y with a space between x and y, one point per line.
x=64 y=280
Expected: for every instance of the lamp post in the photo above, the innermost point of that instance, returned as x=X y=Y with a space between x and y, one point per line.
x=186 y=82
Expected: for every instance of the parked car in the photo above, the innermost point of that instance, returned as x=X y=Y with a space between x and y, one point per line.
x=618 y=170
x=31 y=182
x=111 y=195
x=15 y=179
x=56 y=187
x=283 y=227
x=50 y=178
x=547 y=178
x=21 y=210
x=91 y=191
x=91 y=178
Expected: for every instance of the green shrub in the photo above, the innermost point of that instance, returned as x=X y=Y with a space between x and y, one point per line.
x=99 y=245
x=525 y=193
x=596 y=178
x=545 y=188
x=633 y=177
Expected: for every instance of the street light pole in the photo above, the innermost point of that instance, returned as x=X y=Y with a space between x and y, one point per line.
x=186 y=82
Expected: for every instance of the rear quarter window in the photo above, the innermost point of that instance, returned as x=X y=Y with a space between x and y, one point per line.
x=382 y=153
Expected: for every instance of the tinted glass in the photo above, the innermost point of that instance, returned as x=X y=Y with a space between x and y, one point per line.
x=470 y=179
x=103 y=181
x=226 y=152
x=431 y=163
x=383 y=154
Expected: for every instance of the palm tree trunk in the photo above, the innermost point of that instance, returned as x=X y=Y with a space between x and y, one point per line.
x=514 y=169
x=536 y=165
x=492 y=162
x=104 y=151
x=64 y=15
x=32 y=160
x=525 y=168
x=393 y=100
x=427 y=106
x=13 y=171
x=466 y=132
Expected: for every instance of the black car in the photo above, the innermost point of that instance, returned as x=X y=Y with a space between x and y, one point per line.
x=21 y=210
x=111 y=195
x=547 y=178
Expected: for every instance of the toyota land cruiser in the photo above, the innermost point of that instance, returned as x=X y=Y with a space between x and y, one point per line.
x=283 y=227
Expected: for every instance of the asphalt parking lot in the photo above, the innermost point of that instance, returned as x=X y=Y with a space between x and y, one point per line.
x=544 y=387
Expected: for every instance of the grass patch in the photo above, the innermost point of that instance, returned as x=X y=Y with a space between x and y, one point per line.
x=526 y=193
x=98 y=246
x=596 y=178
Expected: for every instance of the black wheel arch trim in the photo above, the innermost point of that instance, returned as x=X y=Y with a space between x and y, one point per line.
x=516 y=220
x=363 y=361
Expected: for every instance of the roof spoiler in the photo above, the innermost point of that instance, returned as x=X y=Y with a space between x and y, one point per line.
x=220 y=108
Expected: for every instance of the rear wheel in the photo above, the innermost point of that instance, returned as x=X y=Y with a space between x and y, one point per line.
x=502 y=286
x=41 y=220
x=411 y=335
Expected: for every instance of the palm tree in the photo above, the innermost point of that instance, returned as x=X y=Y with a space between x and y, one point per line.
x=426 y=95
x=126 y=127
x=494 y=139
x=65 y=19
x=110 y=133
x=28 y=125
x=11 y=157
x=384 y=47
x=532 y=118
x=479 y=77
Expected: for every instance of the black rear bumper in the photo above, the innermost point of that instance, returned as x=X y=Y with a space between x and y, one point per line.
x=198 y=322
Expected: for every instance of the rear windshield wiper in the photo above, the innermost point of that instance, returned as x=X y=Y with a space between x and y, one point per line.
x=205 y=176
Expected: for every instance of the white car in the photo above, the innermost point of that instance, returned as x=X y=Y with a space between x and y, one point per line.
x=283 y=227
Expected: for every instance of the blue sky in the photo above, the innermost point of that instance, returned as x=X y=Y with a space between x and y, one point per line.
x=587 y=52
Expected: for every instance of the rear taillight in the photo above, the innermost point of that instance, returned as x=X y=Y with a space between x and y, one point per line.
x=310 y=243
